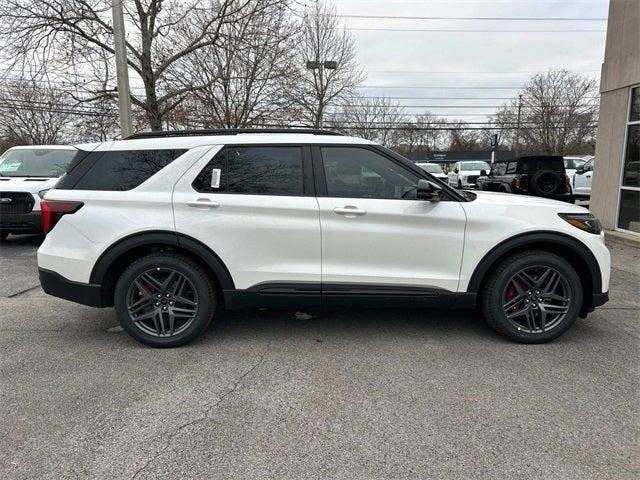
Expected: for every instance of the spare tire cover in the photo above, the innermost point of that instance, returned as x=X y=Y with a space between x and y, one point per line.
x=545 y=183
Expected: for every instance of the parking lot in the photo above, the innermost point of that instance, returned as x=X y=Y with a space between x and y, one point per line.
x=321 y=394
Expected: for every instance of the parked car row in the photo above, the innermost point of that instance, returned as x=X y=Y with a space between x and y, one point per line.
x=561 y=178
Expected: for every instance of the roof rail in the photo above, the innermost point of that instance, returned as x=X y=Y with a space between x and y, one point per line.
x=229 y=131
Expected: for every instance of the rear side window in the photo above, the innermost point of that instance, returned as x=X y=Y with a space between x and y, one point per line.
x=499 y=168
x=125 y=169
x=512 y=167
x=254 y=171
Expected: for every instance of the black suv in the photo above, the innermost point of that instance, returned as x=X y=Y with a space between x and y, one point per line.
x=542 y=176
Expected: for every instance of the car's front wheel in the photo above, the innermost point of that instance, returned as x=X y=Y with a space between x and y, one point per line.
x=164 y=300
x=532 y=296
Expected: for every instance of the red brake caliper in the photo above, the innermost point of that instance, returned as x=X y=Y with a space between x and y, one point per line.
x=510 y=294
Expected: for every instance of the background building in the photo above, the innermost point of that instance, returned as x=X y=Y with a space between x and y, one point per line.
x=615 y=197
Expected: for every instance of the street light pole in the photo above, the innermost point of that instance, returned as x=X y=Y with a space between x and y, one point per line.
x=122 y=69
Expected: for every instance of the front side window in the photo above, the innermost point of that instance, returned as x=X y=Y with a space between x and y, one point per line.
x=36 y=162
x=362 y=173
x=254 y=171
x=122 y=170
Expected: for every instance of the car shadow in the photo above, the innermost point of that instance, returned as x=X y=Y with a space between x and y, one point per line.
x=349 y=323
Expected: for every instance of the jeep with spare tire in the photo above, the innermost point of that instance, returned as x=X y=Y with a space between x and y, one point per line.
x=539 y=175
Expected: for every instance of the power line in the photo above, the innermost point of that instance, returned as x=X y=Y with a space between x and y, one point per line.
x=509 y=19
x=440 y=30
x=428 y=72
x=445 y=87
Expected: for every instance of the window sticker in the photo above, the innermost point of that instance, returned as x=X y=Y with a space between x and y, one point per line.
x=215 y=178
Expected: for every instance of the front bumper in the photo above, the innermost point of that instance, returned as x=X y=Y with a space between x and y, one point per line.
x=21 y=222
x=84 y=293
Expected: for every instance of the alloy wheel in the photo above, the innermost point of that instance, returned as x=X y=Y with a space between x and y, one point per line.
x=536 y=299
x=162 y=302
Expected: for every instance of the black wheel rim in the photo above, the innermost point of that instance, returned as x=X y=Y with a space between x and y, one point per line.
x=536 y=299
x=162 y=302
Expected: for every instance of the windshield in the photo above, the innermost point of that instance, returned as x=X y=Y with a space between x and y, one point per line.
x=475 y=166
x=40 y=162
x=430 y=167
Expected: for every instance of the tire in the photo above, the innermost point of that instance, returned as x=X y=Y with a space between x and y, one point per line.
x=167 y=315
x=501 y=290
x=546 y=183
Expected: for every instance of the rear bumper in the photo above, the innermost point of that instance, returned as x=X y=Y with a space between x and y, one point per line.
x=21 y=222
x=84 y=293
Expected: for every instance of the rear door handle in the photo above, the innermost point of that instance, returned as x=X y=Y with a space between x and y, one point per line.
x=203 y=203
x=349 y=211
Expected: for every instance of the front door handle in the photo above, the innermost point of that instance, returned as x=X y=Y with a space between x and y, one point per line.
x=203 y=203
x=349 y=211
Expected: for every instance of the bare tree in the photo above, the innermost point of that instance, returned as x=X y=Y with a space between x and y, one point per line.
x=463 y=138
x=424 y=133
x=373 y=118
x=558 y=117
x=322 y=40
x=250 y=74
x=161 y=35
x=32 y=112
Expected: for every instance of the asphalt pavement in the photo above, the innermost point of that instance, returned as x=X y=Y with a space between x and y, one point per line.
x=349 y=394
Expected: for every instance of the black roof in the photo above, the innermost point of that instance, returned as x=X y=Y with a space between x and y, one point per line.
x=227 y=131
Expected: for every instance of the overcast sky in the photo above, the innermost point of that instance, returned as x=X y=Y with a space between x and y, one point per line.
x=388 y=57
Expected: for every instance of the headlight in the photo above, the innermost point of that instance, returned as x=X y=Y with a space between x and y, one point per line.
x=584 y=221
x=42 y=193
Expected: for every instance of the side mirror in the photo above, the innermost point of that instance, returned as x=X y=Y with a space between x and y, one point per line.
x=483 y=173
x=580 y=170
x=428 y=191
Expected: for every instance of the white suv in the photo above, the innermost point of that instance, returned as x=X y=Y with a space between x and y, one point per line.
x=26 y=173
x=169 y=227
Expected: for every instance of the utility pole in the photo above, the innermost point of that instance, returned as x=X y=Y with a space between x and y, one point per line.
x=122 y=69
x=518 y=128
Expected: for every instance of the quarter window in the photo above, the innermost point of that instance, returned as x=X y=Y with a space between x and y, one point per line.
x=126 y=169
x=254 y=171
x=361 y=173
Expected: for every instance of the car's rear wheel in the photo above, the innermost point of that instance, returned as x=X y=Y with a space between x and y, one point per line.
x=532 y=297
x=164 y=300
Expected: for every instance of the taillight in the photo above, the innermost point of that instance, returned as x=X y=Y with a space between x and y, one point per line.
x=515 y=184
x=54 y=210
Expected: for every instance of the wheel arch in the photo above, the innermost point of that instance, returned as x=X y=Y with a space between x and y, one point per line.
x=572 y=250
x=118 y=256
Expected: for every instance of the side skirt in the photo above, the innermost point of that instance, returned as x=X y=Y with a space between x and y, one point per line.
x=300 y=295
